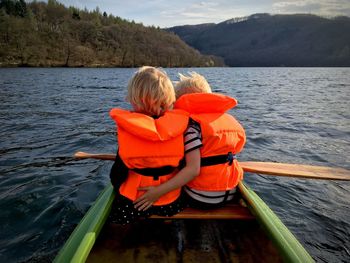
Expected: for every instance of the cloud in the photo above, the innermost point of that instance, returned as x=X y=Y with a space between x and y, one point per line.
x=320 y=7
x=192 y=12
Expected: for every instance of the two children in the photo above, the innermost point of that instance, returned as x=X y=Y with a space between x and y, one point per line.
x=154 y=139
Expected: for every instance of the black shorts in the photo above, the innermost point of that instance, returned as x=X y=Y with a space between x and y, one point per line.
x=124 y=212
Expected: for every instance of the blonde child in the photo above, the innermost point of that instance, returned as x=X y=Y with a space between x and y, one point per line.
x=219 y=137
x=222 y=137
x=150 y=148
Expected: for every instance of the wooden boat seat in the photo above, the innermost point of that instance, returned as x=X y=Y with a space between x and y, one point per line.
x=229 y=211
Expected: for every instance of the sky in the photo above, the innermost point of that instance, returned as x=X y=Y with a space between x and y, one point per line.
x=167 y=13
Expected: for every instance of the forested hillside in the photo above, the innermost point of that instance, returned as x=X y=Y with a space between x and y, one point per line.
x=50 y=34
x=273 y=40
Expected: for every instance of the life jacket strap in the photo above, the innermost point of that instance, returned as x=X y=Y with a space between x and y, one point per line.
x=155 y=172
x=218 y=159
x=227 y=193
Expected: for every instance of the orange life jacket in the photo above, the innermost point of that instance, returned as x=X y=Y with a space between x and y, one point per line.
x=147 y=146
x=222 y=138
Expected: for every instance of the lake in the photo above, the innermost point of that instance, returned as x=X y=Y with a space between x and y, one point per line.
x=293 y=115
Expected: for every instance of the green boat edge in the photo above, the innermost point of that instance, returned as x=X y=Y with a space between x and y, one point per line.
x=78 y=246
x=82 y=239
x=286 y=243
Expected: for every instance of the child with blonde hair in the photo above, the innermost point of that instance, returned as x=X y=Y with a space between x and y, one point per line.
x=150 y=148
x=194 y=83
x=221 y=136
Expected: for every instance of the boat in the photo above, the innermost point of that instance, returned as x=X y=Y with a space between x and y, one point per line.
x=248 y=231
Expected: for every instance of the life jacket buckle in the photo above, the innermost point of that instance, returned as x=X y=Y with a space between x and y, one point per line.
x=230 y=157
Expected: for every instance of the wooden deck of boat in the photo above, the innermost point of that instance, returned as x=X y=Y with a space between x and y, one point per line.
x=229 y=211
x=210 y=241
x=206 y=238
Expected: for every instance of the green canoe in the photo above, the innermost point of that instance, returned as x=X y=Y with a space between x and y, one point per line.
x=152 y=241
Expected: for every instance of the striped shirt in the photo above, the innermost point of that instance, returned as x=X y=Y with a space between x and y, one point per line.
x=193 y=140
x=193 y=136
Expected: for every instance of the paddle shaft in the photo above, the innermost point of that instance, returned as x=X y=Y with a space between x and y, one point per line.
x=268 y=168
x=99 y=156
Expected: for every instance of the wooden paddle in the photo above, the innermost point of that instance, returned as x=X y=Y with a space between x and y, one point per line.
x=296 y=170
x=269 y=168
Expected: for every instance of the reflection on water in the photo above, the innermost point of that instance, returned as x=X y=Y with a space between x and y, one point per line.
x=297 y=115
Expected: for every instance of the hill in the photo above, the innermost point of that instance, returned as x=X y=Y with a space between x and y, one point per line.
x=273 y=40
x=50 y=34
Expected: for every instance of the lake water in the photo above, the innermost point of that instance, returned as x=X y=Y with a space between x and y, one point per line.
x=294 y=115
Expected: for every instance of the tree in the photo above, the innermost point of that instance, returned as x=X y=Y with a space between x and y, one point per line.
x=21 y=8
x=14 y=7
x=75 y=14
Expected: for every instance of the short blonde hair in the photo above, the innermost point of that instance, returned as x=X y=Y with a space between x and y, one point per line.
x=194 y=83
x=150 y=91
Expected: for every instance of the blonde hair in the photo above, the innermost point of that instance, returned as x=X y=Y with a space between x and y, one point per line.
x=150 y=91
x=194 y=83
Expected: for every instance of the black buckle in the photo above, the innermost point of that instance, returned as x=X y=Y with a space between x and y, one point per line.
x=230 y=157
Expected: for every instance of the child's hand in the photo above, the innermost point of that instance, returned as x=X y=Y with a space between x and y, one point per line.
x=145 y=201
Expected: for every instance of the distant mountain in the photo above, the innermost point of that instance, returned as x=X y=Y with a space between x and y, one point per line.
x=273 y=40
x=50 y=34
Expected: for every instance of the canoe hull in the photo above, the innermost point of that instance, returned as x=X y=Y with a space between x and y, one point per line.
x=185 y=240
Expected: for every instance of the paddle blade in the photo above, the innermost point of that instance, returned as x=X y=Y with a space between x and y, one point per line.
x=296 y=170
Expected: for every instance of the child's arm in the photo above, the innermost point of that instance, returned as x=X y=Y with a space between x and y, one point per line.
x=185 y=175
